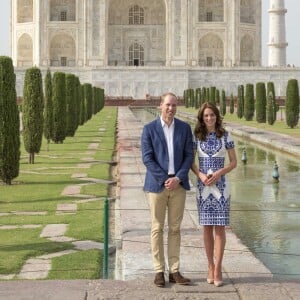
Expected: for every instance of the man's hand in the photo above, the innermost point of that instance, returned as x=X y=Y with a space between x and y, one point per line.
x=172 y=183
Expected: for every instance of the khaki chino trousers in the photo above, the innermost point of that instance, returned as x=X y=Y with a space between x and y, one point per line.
x=172 y=203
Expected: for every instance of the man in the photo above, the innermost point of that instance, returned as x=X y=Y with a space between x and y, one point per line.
x=167 y=151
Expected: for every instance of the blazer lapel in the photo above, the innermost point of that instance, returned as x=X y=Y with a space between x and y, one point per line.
x=160 y=132
x=177 y=144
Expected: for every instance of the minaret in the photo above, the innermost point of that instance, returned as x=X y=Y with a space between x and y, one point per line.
x=277 y=43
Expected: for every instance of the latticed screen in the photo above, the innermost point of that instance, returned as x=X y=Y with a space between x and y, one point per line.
x=209 y=61
x=136 y=15
x=209 y=16
x=136 y=55
x=63 y=61
x=63 y=15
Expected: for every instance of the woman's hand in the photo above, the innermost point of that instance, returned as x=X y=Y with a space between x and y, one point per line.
x=212 y=178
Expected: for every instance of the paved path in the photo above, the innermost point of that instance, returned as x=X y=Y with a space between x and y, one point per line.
x=245 y=277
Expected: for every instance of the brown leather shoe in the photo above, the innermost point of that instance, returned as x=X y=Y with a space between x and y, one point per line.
x=159 y=279
x=178 y=278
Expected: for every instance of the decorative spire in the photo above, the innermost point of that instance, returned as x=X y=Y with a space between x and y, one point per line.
x=277 y=42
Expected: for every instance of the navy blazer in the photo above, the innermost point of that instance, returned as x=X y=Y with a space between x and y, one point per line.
x=155 y=154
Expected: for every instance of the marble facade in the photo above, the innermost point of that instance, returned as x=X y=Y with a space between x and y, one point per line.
x=138 y=47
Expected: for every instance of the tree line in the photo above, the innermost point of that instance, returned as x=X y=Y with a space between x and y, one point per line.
x=54 y=108
x=262 y=106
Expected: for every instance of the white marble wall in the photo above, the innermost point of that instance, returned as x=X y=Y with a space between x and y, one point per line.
x=137 y=82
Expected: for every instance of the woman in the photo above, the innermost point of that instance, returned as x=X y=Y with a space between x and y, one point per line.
x=211 y=143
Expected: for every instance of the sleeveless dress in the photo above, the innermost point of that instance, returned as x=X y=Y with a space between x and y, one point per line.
x=213 y=202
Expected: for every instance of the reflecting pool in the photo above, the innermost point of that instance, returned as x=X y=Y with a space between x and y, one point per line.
x=265 y=215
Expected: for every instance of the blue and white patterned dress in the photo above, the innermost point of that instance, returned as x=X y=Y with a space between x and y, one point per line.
x=213 y=201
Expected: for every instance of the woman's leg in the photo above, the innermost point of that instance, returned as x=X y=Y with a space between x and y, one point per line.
x=209 y=249
x=220 y=241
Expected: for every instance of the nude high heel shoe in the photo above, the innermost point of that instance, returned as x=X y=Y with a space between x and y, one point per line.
x=218 y=283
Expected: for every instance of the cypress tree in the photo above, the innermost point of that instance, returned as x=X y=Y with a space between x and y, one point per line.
x=271 y=88
x=212 y=95
x=71 y=114
x=198 y=98
x=185 y=97
x=204 y=95
x=10 y=122
x=249 y=102
x=189 y=98
x=292 y=103
x=95 y=96
x=270 y=109
x=82 y=105
x=192 y=98
x=223 y=104
x=207 y=93
x=231 y=105
x=88 y=100
x=48 y=108
x=102 y=98
x=261 y=103
x=33 y=105
x=217 y=97
x=97 y=100
x=59 y=107
x=240 y=102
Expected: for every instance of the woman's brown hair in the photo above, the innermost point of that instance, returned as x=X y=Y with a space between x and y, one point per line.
x=200 y=130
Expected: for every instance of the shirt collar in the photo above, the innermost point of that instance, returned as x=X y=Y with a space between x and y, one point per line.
x=163 y=123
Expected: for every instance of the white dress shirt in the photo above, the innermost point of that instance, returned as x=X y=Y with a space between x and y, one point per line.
x=169 y=134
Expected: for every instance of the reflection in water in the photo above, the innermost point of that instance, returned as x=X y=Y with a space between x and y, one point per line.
x=264 y=215
x=269 y=230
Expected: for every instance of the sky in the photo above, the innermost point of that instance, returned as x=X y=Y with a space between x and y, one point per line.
x=292 y=21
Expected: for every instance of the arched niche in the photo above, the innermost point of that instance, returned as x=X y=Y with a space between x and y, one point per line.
x=211 y=51
x=139 y=22
x=62 y=51
x=25 y=52
x=247 y=51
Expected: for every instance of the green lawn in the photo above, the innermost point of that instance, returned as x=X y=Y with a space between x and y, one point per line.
x=39 y=187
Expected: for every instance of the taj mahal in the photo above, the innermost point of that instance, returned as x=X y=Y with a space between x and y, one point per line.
x=138 y=47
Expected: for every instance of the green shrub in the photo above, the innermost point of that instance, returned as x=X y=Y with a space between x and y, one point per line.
x=261 y=102
x=271 y=109
x=240 y=102
x=249 y=102
x=223 y=104
x=292 y=103
x=231 y=105
x=212 y=94
x=33 y=106
x=48 y=107
x=10 y=122
x=271 y=88
x=59 y=107
x=71 y=107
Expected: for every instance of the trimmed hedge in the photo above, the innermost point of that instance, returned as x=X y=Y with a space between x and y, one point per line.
x=292 y=103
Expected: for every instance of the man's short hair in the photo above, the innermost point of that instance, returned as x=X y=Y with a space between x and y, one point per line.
x=163 y=96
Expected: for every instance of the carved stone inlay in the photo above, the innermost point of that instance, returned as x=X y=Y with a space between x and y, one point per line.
x=177 y=27
x=96 y=28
